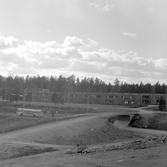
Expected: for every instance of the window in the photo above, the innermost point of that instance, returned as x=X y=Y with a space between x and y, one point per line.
x=145 y=97
x=126 y=102
x=145 y=101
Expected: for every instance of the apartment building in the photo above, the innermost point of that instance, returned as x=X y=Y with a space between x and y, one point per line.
x=126 y=99
x=44 y=95
x=5 y=93
x=37 y=95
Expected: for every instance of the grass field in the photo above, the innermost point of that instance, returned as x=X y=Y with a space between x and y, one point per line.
x=9 y=121
x=94 y=131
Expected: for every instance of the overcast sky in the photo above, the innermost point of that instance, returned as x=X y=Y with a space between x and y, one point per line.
x=108 y=39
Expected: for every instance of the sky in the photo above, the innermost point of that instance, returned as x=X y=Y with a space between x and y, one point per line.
x=107 y=39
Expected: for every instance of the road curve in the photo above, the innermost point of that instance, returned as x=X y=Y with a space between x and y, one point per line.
x=21 y=132
x=15 y=134
x=140 y=131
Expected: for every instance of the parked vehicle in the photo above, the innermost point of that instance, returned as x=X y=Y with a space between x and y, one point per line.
x=29 y=112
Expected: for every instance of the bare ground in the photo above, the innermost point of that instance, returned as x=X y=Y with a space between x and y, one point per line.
x=150 y=157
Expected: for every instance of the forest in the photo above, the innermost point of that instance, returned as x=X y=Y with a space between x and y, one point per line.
x=72 y=84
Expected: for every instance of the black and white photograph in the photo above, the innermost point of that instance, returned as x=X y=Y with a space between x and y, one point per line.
x=83 y=83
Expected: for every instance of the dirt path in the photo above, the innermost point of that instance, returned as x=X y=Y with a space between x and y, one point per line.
x=155 y=157
x=17 y=133
x=123 y=124
x=12 y=136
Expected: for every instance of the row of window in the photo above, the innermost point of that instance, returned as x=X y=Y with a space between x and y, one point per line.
x=37 y=94
x=40 y=99
x=104 y=102
x=99 y=96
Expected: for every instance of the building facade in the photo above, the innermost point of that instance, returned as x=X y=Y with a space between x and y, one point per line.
x=44 y=95
x=37 y=95
x=5 y=93
x=126 y=99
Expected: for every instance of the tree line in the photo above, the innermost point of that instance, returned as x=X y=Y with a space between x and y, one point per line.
x=72 y=84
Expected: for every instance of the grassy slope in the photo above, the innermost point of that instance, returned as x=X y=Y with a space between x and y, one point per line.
x=158 y=121
x=71 y=134
x=154 y=121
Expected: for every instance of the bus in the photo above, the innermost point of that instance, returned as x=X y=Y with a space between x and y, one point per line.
x=29 y=112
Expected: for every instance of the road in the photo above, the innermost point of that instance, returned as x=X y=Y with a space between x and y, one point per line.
x=17 y=133
x=140 y=131
x=11 y=136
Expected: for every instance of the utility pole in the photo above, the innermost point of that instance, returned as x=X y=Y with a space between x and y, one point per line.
x=92 y=136
x=10 y=75
x=88 y=104
x=56 y=117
